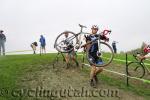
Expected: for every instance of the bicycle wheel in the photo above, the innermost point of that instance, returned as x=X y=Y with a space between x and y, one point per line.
x=102 y=57
x=59 y=61
x=135 y=69
x=65 y=44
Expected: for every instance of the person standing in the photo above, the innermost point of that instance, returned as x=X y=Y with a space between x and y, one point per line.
x=2 y=42
x=43 y=44
x=114 y=46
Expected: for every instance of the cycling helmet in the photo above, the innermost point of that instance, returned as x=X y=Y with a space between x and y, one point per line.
x=94 y=27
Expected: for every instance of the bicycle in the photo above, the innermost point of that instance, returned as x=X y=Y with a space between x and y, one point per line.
x=59 y=58
x=137 y=68
x=105 y=51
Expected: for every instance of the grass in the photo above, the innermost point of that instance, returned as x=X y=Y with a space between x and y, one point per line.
x=12 y=67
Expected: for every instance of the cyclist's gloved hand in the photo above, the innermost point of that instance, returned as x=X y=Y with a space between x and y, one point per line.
x=77 y=46
x=103 y=37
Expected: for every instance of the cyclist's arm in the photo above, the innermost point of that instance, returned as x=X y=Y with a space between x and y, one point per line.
x=143 y=57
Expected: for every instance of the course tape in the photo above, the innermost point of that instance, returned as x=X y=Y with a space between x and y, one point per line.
x=121 y=60
x=19 y=51
x=140 y=79
x=144 y=80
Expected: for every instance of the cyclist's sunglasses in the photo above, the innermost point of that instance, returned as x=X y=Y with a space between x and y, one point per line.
x=94 y=29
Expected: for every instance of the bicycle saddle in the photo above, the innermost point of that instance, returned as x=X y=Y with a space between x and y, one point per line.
x=82 y=26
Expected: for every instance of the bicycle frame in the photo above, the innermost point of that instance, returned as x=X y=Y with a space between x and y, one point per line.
x=76 y=45
x=78 y=36
x=141 y=61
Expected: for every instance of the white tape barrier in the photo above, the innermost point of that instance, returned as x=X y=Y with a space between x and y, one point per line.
x=140 y=79
x=121 y=60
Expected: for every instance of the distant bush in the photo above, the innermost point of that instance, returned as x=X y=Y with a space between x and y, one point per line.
x=134 y=51
x=139 y=50
x=122 y=52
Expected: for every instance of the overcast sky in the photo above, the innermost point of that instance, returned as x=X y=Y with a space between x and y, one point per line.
x=24 y=20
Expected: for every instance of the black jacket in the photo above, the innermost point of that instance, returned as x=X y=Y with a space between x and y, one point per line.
x=2 y=37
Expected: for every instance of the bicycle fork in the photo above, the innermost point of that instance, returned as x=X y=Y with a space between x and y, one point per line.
x=99 y=47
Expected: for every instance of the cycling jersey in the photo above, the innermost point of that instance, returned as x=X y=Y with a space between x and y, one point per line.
x=94 y=47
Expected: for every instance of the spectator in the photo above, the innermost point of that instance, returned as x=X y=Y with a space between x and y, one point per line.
x=2 y=42
x=114 y=46
x=33 y=46
x=43 y=44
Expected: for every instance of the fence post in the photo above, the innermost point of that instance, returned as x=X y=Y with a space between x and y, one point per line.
x=127 y=80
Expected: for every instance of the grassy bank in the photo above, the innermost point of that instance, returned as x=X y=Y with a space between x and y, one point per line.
x=14 y=67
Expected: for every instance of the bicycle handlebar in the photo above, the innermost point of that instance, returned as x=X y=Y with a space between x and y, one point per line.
x=105 y=32
x=135 y=56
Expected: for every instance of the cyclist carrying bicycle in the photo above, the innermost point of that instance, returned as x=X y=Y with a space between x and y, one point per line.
x=71 y=54
x=94 y=52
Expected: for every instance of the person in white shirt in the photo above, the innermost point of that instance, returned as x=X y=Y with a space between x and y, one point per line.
x=71 y=55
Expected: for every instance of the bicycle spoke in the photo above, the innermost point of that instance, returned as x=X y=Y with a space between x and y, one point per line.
x=63 y=41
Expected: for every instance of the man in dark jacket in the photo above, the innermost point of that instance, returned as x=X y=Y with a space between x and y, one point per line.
x=114 y=46
x=2 y=42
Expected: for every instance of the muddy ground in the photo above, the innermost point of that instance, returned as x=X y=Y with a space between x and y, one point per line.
x=74 y=80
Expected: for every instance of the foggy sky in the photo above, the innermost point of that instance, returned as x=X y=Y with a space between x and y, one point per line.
x=23 y=21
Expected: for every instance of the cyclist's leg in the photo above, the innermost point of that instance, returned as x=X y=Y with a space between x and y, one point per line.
x=74 y=58
x=92 y=74
x=93 y=70
x=98 y=70
x=98 y=61
x=67 y=57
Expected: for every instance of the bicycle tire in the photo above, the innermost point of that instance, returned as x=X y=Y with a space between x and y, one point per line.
x=66 y=51
x=110 y=58
x=134 y=70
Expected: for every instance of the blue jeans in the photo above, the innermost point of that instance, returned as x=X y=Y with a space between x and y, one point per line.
x=2 y=47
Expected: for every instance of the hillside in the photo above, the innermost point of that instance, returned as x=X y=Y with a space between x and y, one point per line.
x=26 y=73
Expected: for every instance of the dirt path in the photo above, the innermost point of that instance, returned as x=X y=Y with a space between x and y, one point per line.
x=74 y=80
